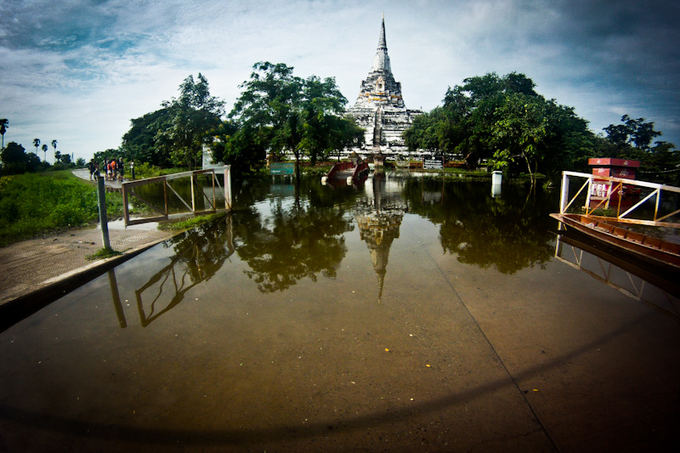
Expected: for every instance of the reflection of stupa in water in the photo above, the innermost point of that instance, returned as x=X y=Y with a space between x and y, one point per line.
x=379 y=223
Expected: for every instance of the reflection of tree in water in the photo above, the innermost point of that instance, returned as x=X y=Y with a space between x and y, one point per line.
x=379 y=220
x=511 y=232
x=297 y=241
x=199 y=254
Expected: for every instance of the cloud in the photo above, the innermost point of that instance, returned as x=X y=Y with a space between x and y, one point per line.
x=79 y=70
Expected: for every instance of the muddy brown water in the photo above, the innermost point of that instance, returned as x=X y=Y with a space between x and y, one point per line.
x=410 y=314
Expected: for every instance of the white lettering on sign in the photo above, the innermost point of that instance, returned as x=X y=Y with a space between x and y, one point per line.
x=432 y=163
x=600 y=189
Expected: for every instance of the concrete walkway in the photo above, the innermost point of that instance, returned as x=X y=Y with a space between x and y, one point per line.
x=34 y=264
x=84 y=173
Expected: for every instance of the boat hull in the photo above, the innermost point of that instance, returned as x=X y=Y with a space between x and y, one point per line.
x=641 y=245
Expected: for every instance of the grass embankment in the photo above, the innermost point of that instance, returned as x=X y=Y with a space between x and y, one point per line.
x=35 y=203
x=190 y=222
x=145 y=170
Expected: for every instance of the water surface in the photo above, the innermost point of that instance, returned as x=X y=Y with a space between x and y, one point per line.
x=407 y=313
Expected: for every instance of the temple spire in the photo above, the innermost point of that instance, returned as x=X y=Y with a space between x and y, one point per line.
x=381 y=61
x=382 y=43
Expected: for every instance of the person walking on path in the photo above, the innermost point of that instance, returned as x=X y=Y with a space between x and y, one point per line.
x=121 y=169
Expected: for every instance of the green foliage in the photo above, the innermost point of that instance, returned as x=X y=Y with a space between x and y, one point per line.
x=104 y=156
x=36 y=203
x=190 y=222
x=139 y=143
x=174 y=134
x=103 y=253
x=278 y=112
x=146 y=170
x=192 y=116
x=635 y=132
x=632 y=140
x=4 y=124
x=503 y=120
x=15 y=160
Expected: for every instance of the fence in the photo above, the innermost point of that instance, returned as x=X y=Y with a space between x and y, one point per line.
x=637 y=202
x=165 y=181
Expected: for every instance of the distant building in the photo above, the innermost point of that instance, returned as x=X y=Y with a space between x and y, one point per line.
x=380 y=108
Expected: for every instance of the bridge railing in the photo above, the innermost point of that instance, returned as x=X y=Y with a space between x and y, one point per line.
x=191 y=205
x=621 y=199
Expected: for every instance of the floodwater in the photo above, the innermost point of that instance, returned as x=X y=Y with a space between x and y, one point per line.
x=410 y=314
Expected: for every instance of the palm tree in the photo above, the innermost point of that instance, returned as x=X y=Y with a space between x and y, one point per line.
x=36 y=143
x=54 y=145
x=44 y=148
x=4 y=124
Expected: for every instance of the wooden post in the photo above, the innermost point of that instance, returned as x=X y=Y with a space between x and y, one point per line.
x=126 y=213
x=101 y=192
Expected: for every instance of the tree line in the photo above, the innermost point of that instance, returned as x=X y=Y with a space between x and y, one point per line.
x=15 y=160
x=498 y=121
x=504 y=122
x=277 y=112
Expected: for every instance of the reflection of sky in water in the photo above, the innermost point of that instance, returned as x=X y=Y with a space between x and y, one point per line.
x=230 y=335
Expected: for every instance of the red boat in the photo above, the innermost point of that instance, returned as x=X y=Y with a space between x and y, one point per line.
x=352 y=172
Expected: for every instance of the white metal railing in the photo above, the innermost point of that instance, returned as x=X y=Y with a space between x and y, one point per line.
x=165 y=180
x=601 y=189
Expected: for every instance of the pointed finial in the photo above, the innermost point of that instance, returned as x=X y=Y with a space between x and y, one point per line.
x=382 y=42
x=381 y=62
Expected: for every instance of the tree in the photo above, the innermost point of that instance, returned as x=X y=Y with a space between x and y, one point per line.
x=4 y=124
x=139 y=142
x=192 y=116
x=633 y=132
x=36 y=143
x=45 y=148
x=15 y=160
x=539 y=133
x=108 y=154
x=54 y=145
x=175 y=134
x=503 y=120
x=323 y=128
x=343 y=133
x=221 y=137
x=632 y=140
x=279 y=112
x=267 y=111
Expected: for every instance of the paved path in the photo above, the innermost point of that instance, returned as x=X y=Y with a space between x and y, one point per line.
x=29 y=265
x=84 y=173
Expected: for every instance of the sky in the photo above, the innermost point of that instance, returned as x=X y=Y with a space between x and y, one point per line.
x=79 y=70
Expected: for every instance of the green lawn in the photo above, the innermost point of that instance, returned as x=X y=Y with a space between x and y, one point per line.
x=34 y=203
